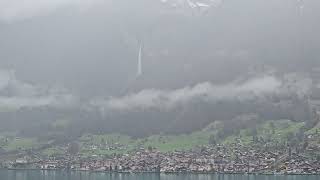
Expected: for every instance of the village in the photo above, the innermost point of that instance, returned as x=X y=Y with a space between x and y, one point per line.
x=234 y=158
x=247 y=153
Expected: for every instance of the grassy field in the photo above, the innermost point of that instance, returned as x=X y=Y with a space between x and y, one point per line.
x=53 y=151
x=21 y=144
x=179 y=142
x=92 y=145
x=275 y=130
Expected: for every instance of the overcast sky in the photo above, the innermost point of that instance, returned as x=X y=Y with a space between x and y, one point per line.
x=89 y=48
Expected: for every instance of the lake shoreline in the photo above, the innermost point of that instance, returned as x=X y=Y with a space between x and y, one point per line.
x=166 y=173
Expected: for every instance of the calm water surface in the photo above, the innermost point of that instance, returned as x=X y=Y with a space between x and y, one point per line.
x=63 y=175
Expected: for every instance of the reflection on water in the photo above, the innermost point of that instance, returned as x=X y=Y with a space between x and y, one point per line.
x=64 y=175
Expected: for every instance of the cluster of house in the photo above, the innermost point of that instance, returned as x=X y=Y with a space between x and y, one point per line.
x=298 y=165
x=208 y=159
x=104 y=145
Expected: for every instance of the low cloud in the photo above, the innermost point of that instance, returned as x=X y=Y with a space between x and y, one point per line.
x=15 y=94
x=252 y=89
x=11 y=10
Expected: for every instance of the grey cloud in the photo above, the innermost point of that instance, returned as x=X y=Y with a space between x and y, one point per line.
x=11 y=10
x=95 y=53
x=15 y=94
x=253 y=88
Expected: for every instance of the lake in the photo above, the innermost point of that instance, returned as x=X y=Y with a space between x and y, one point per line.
x=64 y=175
